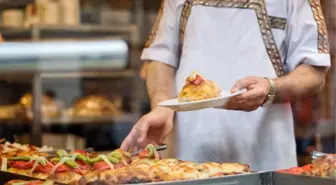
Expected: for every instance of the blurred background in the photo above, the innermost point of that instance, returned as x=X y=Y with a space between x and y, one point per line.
x=92 y=99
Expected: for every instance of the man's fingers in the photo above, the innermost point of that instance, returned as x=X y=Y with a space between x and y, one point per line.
x=137 y=135
x=243 y=84
x=130 y=141
x=243 y=106
x=250 y=95
x=126 y=144
x=141 y=129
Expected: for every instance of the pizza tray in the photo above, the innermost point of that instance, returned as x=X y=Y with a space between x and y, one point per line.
x=289 y=179
x=7 y=176
x=260 y=178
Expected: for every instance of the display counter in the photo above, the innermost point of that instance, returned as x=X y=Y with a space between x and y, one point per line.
x=89 y=83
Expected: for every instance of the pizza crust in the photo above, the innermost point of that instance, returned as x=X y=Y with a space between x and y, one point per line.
x=146 y=170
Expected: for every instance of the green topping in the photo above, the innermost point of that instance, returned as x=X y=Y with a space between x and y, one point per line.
x=20 y=158
x=82 y=157
x=55 y=159
x=68 y=162
x=62 y=153
x=151 y=150
x=42 y=162
x=113 y=159
x=117 y=155
x=127 y=154
x=71 y=163
x=94 y=160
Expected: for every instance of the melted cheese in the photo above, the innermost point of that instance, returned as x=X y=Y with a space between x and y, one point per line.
x=4 y=164
x=107 y=161
x=62 y=161
x=38 y=160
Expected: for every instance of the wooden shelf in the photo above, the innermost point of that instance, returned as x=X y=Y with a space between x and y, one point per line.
x=7 y=4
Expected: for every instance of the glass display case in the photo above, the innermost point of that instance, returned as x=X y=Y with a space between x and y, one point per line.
x=81 y=88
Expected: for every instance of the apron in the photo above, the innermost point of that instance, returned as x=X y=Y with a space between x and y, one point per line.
x=226 y=41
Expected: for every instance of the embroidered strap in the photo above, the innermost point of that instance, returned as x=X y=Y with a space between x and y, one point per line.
x=155 y=29
x=323 y=43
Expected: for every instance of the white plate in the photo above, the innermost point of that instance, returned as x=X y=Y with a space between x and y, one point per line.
x=201 y=104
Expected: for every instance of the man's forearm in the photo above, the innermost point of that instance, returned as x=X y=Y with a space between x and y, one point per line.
x=160 y=82
x=302 y=82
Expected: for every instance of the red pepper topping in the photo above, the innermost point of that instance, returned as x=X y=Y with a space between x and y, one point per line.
x=198 y=79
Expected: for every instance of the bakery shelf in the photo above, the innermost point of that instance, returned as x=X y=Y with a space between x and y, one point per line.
x=63 y=56
x=37 y=32
x=128 y=117
x=92 y=120
x=96 y=74
x=6 y=4
x=38 y=61
x=96 y=131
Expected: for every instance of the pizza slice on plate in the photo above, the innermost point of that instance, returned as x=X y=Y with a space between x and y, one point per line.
x=198 y=88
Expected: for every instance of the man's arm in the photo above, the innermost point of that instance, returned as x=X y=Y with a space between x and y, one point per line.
x=302 y=82
x=160 y=82
x=308 y=52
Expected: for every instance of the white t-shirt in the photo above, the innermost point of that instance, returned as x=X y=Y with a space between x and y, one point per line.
x=226 y=40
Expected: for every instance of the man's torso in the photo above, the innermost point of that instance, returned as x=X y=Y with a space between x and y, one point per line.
x=226 y=40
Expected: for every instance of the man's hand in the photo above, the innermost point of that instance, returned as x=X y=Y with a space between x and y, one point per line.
x=257 y=91
x=152 y=128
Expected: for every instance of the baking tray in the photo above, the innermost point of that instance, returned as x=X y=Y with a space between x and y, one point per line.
x=7 y=176
x=260 y=178
x=288 y=179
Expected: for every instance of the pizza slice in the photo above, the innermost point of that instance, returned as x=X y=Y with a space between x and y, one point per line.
x=69 y=168
x=324 y=166
x=114 y=160
x=198 y=88
x=32 y=182
x=234 y=168
x=33 y=166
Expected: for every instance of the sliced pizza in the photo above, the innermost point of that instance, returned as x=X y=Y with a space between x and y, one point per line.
x=324 y=166
x=33 y=166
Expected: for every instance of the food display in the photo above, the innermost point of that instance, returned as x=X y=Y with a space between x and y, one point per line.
x=324 y=166
x=198 y=88
x=8 y=148
x=10 y=111
x=49 y=106
x=94 y=106
x=117 y=167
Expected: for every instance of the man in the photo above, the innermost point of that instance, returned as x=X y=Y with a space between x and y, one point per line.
x=237 y=44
